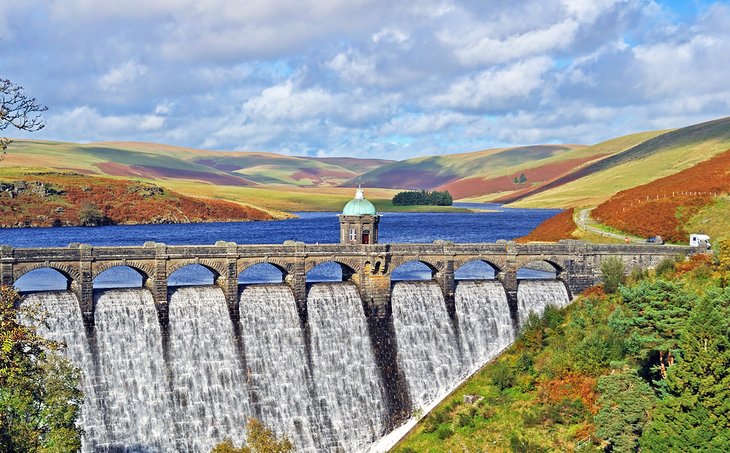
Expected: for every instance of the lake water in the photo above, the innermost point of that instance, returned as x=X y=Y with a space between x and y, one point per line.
x=309 y=227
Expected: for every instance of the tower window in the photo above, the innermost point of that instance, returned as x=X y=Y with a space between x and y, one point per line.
x=353 y=234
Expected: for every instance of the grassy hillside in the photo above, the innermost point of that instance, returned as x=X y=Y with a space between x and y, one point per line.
x=63 y=199
x=646 y=367
x=152 y=161
x=490 y=175
x=666 y=206
x=652 y=159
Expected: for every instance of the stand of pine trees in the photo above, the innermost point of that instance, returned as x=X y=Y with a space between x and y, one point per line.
x=421 y=197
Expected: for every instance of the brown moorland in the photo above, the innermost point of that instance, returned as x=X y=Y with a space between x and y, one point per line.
x=60 y=199
x=664 y=205
x=557 y=227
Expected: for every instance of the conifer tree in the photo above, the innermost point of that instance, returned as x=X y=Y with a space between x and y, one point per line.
x=694 y=413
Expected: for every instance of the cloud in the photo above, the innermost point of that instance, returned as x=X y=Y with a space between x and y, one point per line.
x=493 y=89
x=122 y=75
x=383 y=79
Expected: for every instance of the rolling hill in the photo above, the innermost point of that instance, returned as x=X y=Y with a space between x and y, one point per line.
x=663 y=155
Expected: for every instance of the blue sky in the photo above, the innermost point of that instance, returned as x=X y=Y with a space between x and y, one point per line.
x=367 y=78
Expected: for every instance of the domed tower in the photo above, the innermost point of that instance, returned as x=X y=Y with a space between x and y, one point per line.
x=359 y=221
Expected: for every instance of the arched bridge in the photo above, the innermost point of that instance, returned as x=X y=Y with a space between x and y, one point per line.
x=369 y=267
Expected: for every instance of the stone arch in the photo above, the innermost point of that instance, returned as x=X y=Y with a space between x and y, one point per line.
x=400 y=263
x=465 y=263
x=71 y=273
x=217 y=268
x=349 y=267
x=142 y=269
x=284 y=267
x=550 y=262
x=250 y=265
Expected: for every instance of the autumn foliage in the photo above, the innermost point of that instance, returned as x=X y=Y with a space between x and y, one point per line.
x=61 y=199
x=555 y=228
x=663 y=206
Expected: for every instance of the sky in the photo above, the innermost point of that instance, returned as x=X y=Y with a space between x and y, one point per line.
x=366 y=78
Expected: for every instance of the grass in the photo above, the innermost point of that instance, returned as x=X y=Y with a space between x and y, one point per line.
x=713 y=220
x=673 y=157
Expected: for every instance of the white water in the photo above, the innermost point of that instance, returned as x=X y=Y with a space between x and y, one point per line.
x=345 y=373
x=428 y=351
x=318 y=383
x=210 y=398
x=64 y=324
x=132 y=372
x=277 y=372
x=485 y=325
x=534 y=295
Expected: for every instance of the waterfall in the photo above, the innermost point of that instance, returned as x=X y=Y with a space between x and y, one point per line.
x=63 y=323
x=485 y=325
x=209 y=393
x=344 y=369
x=317 y=380
x=278 y=370
x=428 y=351
x=534 y=295
x=132 y=372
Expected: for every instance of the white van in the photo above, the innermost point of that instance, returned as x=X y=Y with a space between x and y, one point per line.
x=695 y=240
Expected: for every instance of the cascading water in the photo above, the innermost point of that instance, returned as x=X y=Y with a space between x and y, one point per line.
x=534 y=295
x=317 y=381
x=428 y=351
x=485 y=325
x=278 y=371
x=132 y=373
x=210 y=398
x=344 y=369
x=62 y=322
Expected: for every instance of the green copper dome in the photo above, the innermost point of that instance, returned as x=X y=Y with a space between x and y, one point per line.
x=359 y=206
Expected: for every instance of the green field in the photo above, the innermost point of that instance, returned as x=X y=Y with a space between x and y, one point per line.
x=666 y=154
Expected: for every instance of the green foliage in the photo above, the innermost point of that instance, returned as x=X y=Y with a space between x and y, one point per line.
x=665 y=267
x=259 y=439
x=625 y=403
x=503 y=377
x=91 y=215
x=612 y=274
x=415 y=197
x=694 y=413
x=444 y=432
x=39 y=396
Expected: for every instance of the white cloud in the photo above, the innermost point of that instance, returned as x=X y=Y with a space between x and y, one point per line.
x=491 y=89
x=124 y=74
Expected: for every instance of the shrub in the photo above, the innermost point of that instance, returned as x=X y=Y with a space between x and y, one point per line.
x=612 y=273
x=665 y=267
x=444 y=432
x=503 y=376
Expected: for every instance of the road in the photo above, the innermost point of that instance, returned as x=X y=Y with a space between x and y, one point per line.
x=583 y=220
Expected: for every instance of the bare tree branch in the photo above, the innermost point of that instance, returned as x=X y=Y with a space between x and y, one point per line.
x=18 y=110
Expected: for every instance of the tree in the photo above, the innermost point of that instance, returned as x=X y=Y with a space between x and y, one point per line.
x=18 y=110
x=91 y=215
x=694 y=414
x=523 y=178
x=612 y=274
x=259 y=439
x=625 y=404
x=39 y=396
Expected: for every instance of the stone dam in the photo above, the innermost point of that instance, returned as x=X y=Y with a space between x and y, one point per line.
x=334 y=365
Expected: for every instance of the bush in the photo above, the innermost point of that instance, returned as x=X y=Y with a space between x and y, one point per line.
x=612 y=273
x=665 y=267
x=444 y=432
x=503 y=377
